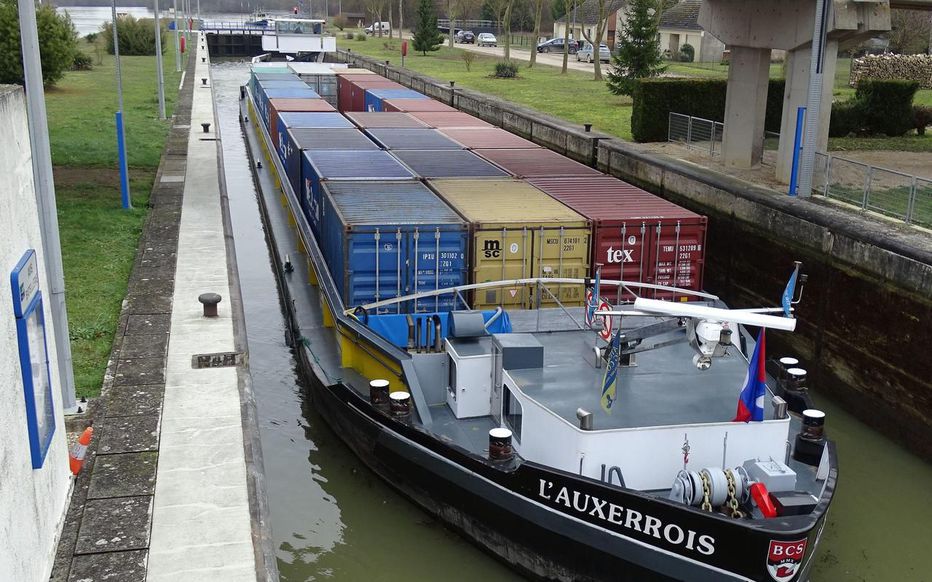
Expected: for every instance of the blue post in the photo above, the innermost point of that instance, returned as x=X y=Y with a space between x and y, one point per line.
x=797 y=148
x=124 y=173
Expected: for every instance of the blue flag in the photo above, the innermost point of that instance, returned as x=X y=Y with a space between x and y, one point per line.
x=610 y=380
x=590 y=309
x=788 y=293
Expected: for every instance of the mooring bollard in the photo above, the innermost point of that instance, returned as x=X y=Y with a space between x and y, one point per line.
x=378 y=392
x=210 y=301
x=203 y=59
x=400 y=404
x=203 y=80
x=588 y=127
x=500 y=448
x=206 y=127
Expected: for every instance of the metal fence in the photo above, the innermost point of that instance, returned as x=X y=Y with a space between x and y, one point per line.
x=887 y=192
x=696 y=133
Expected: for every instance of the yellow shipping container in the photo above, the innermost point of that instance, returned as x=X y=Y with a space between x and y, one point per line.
x=519 y=232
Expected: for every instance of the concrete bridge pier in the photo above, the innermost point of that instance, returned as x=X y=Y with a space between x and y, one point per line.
x=746 y=106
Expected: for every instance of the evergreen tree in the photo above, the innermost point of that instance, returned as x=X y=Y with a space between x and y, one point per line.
x=638 y=55
x=426 y=35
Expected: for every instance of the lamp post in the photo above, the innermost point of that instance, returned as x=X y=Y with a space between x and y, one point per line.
x=158 y=62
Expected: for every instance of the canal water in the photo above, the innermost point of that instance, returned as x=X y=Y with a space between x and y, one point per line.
x=334 y=519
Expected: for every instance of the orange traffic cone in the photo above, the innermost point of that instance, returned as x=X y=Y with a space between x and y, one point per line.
x=76 y=458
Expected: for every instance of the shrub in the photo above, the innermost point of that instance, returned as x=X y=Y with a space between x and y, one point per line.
x=137 y=37
x=506 y=70
x=922 y=118
x=845 y=119
x=82 y=62
x=887 y=106
x=340 y=22
x=58 y=43
x=360 y=37
x=687 y=53
x=468 y=58
x=91 y=37
x=655 y=99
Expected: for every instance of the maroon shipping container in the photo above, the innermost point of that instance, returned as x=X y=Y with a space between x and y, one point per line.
x=441 y=119
x=536 y=163
x=409 y=105
x=380 y=119
x=351 y=90
x=276 y=106
x=487 y=138
x=636 y=236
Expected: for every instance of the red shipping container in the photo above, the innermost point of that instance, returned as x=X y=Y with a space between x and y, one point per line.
x=636 y=236
x=351 y=91
x=381 y=119
x=409 y=105
x=307 y=105
x=487 y=138
x=536 y=163
x=441 y=119
x=345 y=88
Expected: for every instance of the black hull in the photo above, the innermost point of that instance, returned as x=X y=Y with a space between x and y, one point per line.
x=517 y=514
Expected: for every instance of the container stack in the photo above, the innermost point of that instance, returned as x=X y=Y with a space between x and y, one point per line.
x=407 y=195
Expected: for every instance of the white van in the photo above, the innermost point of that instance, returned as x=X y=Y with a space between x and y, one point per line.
x=373 y=28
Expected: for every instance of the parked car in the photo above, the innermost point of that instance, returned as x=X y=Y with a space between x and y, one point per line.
x=464 y=37
x=486 y=39
x=585 y=53
x=555 y=45
x=373 y=28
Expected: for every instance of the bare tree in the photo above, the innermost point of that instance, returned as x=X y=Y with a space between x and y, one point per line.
x=376 y=8
x=502 y=10
x=538 y=11
x=568 y=5
x=909 y=31
x=604 y=6
x=401 y=17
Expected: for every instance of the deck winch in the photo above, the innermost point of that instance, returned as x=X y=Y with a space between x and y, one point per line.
x=711 y=488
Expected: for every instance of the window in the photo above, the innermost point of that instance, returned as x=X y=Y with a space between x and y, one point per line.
x=451 y=379
x=511 y=414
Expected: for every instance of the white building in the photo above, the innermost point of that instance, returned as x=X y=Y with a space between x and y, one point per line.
x=583 y=22
x=679 y=25
x=35 y=479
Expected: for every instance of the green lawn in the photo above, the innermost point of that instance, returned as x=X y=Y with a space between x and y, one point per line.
x=98 y=237
x=574 y=96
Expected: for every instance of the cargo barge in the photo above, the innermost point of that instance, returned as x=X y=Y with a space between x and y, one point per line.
x=529 y=355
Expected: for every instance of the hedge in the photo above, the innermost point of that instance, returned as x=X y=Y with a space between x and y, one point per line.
x=655 y=99
x=878 y=107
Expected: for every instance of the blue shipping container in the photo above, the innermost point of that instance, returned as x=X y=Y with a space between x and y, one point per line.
x=389 y=239
x=308 y=120
x=319 y=165
x=298 y=139
x=283 y=93
x=374 y=97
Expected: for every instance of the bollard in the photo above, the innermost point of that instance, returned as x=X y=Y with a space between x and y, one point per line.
x=206 y=127
x=203 y=59
x=210 y=301
x=500 y=448
x=400 y=404
x=378 y=392
x=452 y=84
x=588 y=127
x=203 y=80
x=242 y=91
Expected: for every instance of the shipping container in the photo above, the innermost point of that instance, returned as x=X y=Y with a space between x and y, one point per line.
x=519 y=232
x=536 y=163
x=296 y=140
x=321 y=77
x=636 y=236
x=442 y=119
x=488 y=138
x=267 y=94
x=408 y=105
x=412 y=139
x=355 y=71
x=270 y=74
x=375 y=96
x=277 y=106
x=321 y=120
x=448 y=164
x=389 y=239
x=352 y=90
x=321 y=166
x=365 y=120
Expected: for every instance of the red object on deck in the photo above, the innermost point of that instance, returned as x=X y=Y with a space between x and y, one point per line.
x=181 y=39
x=404 y=48
x=762 y=498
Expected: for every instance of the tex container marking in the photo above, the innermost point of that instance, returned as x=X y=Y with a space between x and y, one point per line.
x=366 y=120
x=409 y=105
x=448 y=164
x=388 y=239
x=519 y=232
x=412 y=139
x=374 y=96
x=636 y=236
x=320 y=166
x=298 y=139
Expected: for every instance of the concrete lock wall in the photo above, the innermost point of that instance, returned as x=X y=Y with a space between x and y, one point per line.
x=864 y=316
x=32 y=501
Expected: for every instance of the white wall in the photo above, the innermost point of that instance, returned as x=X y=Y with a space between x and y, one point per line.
x=32 y=502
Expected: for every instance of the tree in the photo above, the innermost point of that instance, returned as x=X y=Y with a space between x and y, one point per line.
x=376 y=9
x=596 y=41
x=538 y=13
x=568 y=6
x=638 y=55
x=426 y=35
x=501 y=10
x=909 y=31
x=58 y=43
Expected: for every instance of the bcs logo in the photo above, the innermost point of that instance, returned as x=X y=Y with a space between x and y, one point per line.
x=784 y=559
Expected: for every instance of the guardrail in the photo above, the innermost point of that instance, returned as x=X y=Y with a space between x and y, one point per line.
x=696 y=133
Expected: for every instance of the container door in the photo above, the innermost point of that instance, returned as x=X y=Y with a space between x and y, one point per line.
x=375 y=268
x=561 y=253
x=501 y=254
x=438 y=261
x=677 y=257
x=624 y=252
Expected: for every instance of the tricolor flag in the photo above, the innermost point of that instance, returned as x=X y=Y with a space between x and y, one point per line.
x=610 y=379
x=751 y=399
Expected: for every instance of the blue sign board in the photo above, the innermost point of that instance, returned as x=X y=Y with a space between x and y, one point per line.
x=33 y=356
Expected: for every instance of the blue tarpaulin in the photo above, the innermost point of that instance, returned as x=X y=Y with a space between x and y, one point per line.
x=394 y=327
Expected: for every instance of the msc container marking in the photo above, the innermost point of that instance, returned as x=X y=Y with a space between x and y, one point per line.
x=636 y=236
x=297 y=139
x=519 y=232
x=409 y=105
x=412 y=139
x=320 y=165
x=374 y=96
x=448 y=164
x=388 y=239
x=534 y=163
x=367 y=120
